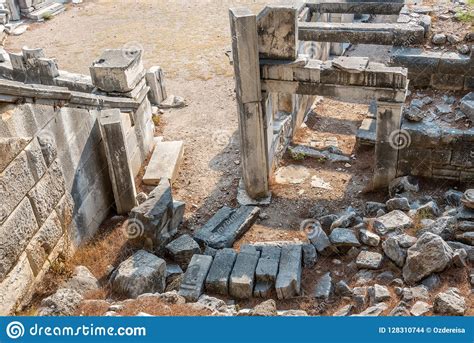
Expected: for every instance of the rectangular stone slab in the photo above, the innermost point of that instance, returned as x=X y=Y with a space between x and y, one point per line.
x=164 y=162
x=288 y=283
x=362 y=33
x=218 y=278
x=356 y=7
x=267 y=271
x=242 y=278
x=192 y=285
x=227 y=226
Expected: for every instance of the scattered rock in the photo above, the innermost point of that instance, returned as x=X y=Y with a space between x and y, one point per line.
x=439 y=39
x=344 y=311
x=394 y=251
x=431 y=282
x=403 y=184
x=173 y=101
x=450 y=302
x=430 y=254
x=420 y=308
x=374 y=311
x=401 y=310
x=310 y=256
x=392 y=221
x=62 y=303
x=82 y=281
x=378 y=293
x=265 y=309
x=401 y=204
x=324 y=287
x=369 y=260
x=341 y=237
x=342 y=289
x=369 y=238
x=371 y=208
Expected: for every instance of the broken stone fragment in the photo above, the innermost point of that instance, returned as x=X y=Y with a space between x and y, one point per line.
x=242 y=278
x=324 y=287
x=226 y=226
x=172 y=101
x=373 y=311
x=217 y=280
x=401 y=204
x=378 y=293
x=62 y=303
x=267 y=270
x=182 y=249
x=369 y=238
x=141 y=273
x=341 y=237
x=450 y=302
x=82 y=281
x=394 y=251
x=288 y=282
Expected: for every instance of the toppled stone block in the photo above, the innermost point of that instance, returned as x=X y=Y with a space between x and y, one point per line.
x=178 y=213
x=319 y=239
x=155 y=79
x=152 y=217
x=467 y=106
x=141 y=273
x=118 y=70
x=82 y=281
x=242 y=278
x=267 y=270
x=182 y=250
x=192 y=284
x=288 y=282
x=164 y=162
x=217 y=280
x=226 y=226
x=310 y=255
x=341 y=237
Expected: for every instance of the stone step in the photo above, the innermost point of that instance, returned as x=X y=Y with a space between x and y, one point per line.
x=192 y=285
x=164 y=162
x=226 y=226
x=218 y=278
x=366 y=133
x=46 y=12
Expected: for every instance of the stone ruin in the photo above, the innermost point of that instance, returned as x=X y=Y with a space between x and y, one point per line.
x=75 y=143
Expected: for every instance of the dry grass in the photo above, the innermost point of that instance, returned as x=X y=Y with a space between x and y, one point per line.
x=157 y=307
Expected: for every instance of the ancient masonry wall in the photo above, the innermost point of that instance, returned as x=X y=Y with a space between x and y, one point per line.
x=436 y=69
x=437 y=152
x=54 y=177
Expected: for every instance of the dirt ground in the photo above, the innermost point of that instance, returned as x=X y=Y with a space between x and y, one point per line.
x=189 y=40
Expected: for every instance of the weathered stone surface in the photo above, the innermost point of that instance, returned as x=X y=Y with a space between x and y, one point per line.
x=392 y=221
x=278 y=32
x=428 y=210
x=15 y=286
x=415 y=293
x=182 y=250
x=319 y=239
x=179 y=208
x=458 y=245
x=267 y=270
x=267 y=308
x=15 y=181
x=164 y=162
x=35 y=158
x=403 y=184
x=378 y=293
x=117 y=70
x=401 y=310
x=82 y=281
x=47 y=192
x=324 y=287
x=371 y=208
x=310 y=255
x=155 y=79
x=141 y=273
x=369 y=260
x=369 y=238
x=359 y=295
x=450 y=302
x=192 y=284
x=15 y=234
x=10 y=147
x=430 y=254
x=217 y=280
x=288 y=282
x=153 y=215
x=443 y=227
x=453 y=197
x=48 y=147
x=342 y=289
x=242 y=278
x=467 y=105
x=341 y=237
x=344 y=311
x=226 y=226
x=62 y=303
x=401 y=204
x=391 y=247
x=420 y=308
x=374 y=311
x=43 y=242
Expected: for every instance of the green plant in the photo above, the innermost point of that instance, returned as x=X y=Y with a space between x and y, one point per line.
x=47 y=16
x=465 y=16
x=298 y=156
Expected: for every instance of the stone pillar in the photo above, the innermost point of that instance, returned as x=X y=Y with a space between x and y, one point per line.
x=252 y=124
x=120 y=171
x=390 y=139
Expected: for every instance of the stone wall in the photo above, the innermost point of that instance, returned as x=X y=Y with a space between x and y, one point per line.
x=437 y=152
x=436 y=69
x=55 y=188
